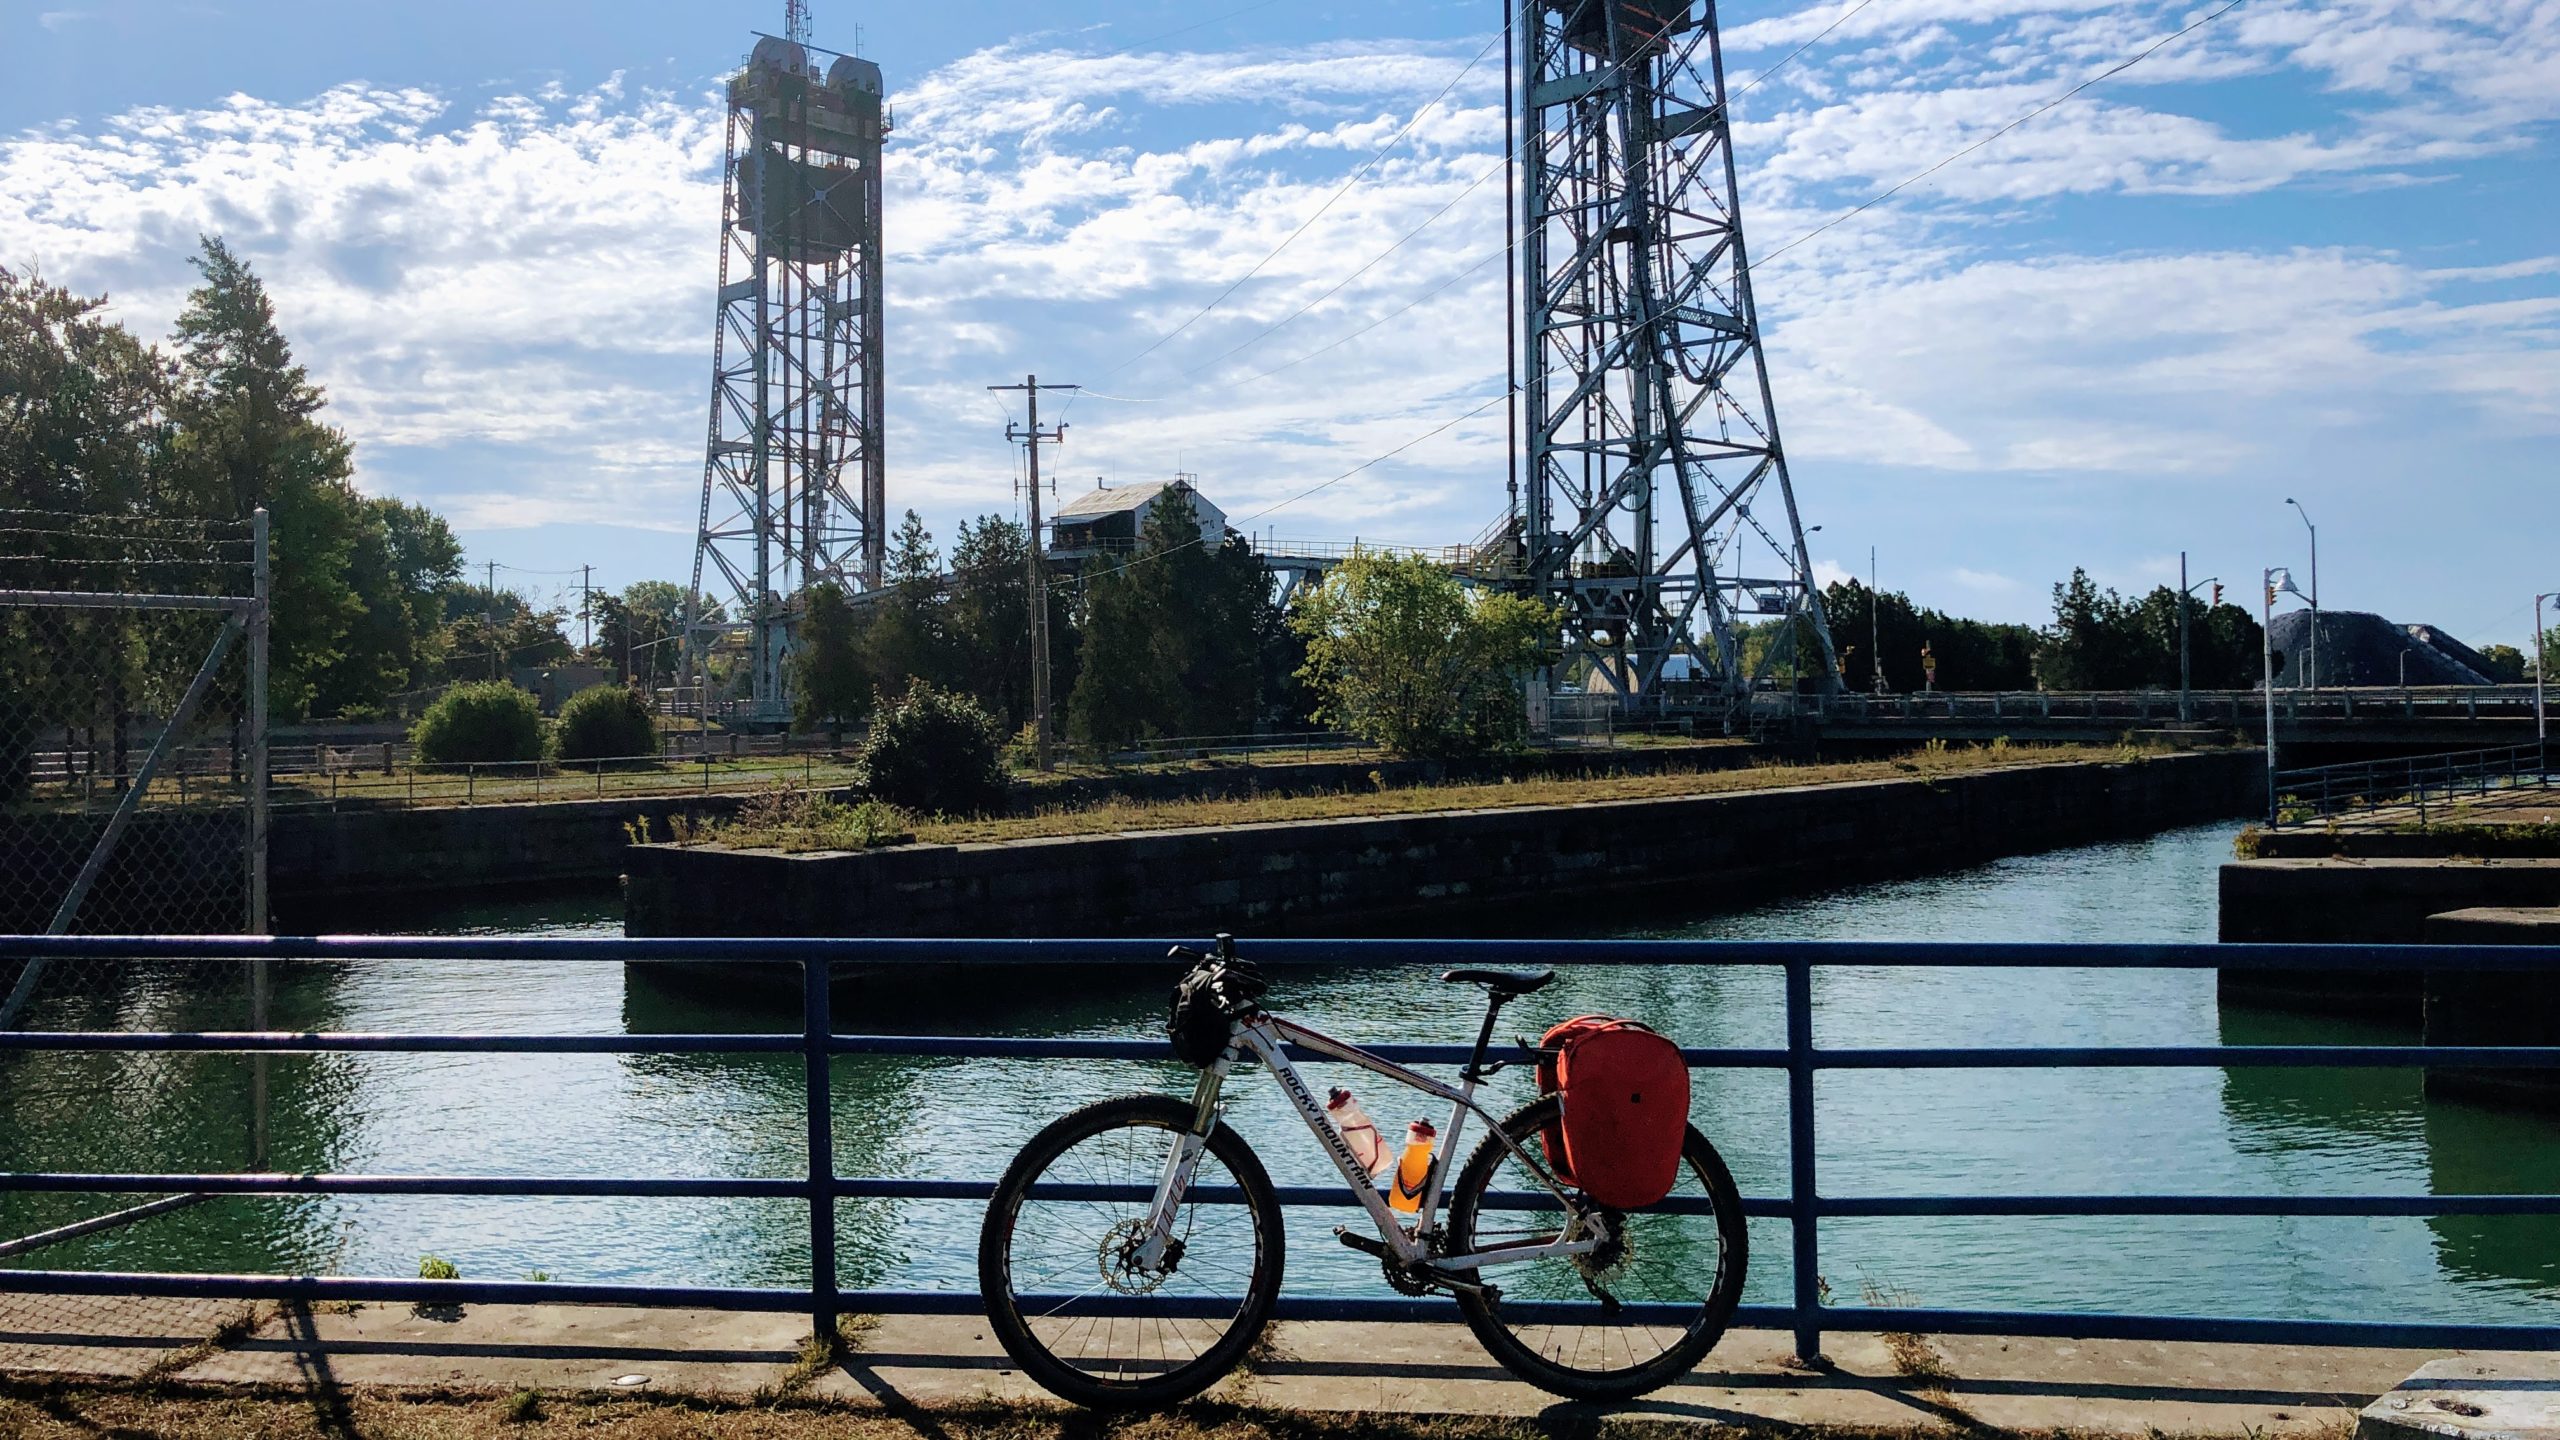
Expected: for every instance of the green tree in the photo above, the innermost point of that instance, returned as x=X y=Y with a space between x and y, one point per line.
x=1402 y=655
x=400 y=560
x=903 y=638
x=1170 y=641
x=832 y=685
x=1971 y=654
x=488 y=633
x=987 y=620
x=249 y=435
x=2506 y=664
x=83 y=432
x=2088 y=646
x=636 y=632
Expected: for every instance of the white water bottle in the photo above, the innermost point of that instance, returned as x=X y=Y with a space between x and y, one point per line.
x=1357 y=1129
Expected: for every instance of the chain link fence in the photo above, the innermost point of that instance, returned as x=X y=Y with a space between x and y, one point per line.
x=132 y=801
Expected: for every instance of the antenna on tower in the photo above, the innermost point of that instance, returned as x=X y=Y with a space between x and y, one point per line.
x=795 y=21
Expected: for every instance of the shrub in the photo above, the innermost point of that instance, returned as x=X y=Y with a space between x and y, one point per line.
x=436 y=1267
x=487 y=720
x=799 y=821
x=935 y=753
x=608 y=722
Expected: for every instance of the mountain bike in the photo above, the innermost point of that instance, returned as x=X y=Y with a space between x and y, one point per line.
x=1132 y=1252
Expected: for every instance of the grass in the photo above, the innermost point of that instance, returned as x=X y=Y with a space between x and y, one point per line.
x=795 y=822
x=1938 y=760
x=86 y=1410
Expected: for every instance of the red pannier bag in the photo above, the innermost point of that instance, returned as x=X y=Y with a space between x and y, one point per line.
x=1625 y=1113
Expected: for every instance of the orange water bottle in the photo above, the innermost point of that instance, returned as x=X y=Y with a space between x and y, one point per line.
x=1413 y=1171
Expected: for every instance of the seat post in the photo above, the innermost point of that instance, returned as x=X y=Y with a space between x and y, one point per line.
x=1484 y=1037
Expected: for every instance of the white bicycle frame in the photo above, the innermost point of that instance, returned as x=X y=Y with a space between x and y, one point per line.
x=1263 y=1037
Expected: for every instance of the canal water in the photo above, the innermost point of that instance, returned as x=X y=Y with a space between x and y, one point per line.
x=2069 y=1131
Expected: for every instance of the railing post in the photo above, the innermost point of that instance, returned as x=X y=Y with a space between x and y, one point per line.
x=817 y=1029
x=1800 y=1162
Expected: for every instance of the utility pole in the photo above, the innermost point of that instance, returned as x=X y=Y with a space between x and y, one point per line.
x=1032 y=437
x=587 y=607
x=2541 y=678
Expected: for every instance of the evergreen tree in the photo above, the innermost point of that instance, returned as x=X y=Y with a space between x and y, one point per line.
x=1172 y=640
x=988 y=618
x=832 y=687
x=250 y=436
x=902 y=638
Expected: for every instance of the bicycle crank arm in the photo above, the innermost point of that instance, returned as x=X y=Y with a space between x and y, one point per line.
x=1426 y=1274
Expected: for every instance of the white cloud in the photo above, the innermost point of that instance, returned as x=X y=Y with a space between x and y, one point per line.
x=510 y=299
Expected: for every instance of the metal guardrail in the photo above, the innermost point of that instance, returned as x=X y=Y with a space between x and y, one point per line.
x=1805 y=1207
x=2238 y=707
x=2409 y=782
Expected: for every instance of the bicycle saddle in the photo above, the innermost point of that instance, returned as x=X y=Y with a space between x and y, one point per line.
x=1502 y=982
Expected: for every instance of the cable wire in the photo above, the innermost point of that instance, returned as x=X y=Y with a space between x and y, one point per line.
x=1346 y=188
x=2108 y=74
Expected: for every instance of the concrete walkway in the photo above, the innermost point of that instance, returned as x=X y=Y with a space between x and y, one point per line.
x=2127 y=1388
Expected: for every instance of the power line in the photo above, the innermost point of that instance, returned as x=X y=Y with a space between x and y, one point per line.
x=1799 y=50
x=1330 y=201
x=2108 y=74
x=1434 y=432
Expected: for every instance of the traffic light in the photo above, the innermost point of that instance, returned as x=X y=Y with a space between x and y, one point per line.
x=2217 y=592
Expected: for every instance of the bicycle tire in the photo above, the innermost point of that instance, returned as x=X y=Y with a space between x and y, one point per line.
x=1112 y=1381
x=1555 y=1368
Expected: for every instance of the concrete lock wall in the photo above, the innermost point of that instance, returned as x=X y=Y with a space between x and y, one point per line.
x=322 y=860
x=1347 y=876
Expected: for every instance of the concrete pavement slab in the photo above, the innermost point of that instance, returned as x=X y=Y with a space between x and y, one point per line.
x=2471 y=1397
x=564 y=1347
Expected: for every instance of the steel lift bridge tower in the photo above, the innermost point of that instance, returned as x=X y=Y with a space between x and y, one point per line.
x=793 y=482
x=1657 y=510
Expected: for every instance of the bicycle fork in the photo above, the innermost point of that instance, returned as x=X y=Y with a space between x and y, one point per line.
x=1159 y=1250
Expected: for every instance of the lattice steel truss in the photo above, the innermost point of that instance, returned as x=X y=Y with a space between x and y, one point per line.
x=1643 y=367
x=793 y=484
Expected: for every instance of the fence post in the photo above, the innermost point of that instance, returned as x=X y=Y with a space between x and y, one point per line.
x=817 y=1029
x=1800 y=1158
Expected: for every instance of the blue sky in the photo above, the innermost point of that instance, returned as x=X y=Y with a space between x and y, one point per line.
x=2312 y=249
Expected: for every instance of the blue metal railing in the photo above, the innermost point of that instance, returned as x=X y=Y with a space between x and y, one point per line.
x=1804 y=1207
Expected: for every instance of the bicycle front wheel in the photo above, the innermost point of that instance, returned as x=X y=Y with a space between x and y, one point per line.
x=1058 y=1269
x=1627 y=1319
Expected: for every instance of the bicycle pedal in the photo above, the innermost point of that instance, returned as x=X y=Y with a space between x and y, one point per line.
x=1369 y=1245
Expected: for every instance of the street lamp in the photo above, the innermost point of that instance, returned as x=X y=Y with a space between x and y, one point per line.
x=2276 y=580
x=2312 y=655
x=2184 y=591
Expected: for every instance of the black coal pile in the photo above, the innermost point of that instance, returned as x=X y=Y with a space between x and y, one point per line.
x=2357 y=648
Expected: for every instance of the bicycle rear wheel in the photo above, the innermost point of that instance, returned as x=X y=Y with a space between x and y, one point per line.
x=1056 y=1262
x=1675 y=1272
